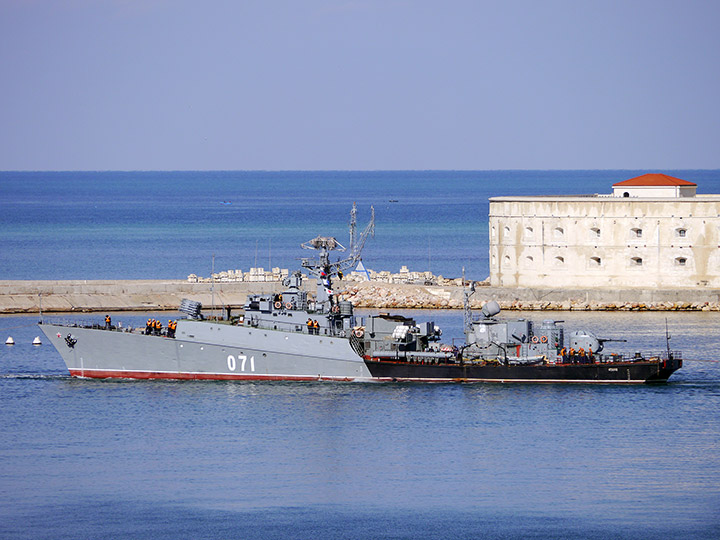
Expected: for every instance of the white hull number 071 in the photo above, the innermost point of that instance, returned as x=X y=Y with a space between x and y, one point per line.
x=232 y=364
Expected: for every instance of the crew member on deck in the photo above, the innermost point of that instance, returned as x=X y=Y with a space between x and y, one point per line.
x=107 y=322
x=316 y=327
x=310 y=325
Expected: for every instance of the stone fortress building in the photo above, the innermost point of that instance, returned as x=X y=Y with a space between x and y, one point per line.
x=653 y=231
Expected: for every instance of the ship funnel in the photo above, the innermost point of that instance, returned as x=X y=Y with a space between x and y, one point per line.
x=490 y=309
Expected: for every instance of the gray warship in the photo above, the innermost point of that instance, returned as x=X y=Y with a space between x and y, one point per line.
x=507 y=351
x=294 y=336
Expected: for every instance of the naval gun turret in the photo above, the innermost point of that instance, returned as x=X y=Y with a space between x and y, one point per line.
x=586 y=340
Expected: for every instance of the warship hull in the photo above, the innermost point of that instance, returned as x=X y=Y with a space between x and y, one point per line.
x=646 y=371
x=207 y=351
x=203 y=350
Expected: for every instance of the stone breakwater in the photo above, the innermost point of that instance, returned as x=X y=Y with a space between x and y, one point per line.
x=381 y=296
x=157 y=295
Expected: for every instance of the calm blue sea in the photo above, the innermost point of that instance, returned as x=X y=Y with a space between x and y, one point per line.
x=167 y=460
x=152 y=225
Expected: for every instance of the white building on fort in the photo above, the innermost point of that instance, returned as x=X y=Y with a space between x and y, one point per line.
x=654 y=231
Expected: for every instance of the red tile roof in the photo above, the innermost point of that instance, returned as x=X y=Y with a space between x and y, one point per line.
x=655 y=180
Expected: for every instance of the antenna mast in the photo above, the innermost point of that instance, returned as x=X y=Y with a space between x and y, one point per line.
x=326 y=244
x=353 y=226
x=467 y=312
x=324 y=269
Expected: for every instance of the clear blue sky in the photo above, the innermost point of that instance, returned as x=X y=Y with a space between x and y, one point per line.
x=359 y=84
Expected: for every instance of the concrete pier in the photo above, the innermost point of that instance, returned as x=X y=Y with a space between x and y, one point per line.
x=159 y=295
x=120 y=295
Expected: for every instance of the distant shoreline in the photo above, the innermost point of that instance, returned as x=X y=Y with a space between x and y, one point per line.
x=73 y=296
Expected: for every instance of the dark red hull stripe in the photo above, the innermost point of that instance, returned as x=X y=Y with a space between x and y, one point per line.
x=115 y=374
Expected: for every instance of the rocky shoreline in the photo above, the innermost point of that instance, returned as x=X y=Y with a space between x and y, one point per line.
x=157 y=295
x=381 y=297
x=570 y=305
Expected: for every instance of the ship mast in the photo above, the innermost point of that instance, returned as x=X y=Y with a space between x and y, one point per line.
x=467 y=312
x=323 y=268
x=353 y=226
x=326 y=244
